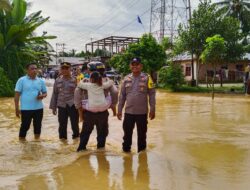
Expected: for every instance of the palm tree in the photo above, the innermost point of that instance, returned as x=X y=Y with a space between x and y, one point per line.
x=234 y=7
x=239 y=9
x=18 y=44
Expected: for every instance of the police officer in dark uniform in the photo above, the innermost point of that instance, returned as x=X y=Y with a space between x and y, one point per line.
x=63 y=100
x=90 y=119
x=137 y=91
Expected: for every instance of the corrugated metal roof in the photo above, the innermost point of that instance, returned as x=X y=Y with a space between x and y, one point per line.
x=182 y=57
x=187 y=56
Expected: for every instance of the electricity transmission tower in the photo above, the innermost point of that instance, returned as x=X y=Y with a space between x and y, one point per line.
x=165 y=17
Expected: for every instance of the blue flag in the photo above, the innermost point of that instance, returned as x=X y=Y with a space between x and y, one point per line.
x=139 y=19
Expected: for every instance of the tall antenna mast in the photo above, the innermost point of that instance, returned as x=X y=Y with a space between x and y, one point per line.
x=165 y=17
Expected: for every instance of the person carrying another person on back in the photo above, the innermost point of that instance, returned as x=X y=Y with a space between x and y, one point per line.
x=96 y=102
x=91 y=119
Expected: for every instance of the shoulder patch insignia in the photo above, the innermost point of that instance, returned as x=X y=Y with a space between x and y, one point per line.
x=150 y=82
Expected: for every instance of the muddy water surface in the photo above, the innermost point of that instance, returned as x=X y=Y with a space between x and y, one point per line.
x=194 y=143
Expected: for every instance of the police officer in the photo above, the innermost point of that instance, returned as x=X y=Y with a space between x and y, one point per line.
x=137 y=90
x=63 y=100
x=91 y=119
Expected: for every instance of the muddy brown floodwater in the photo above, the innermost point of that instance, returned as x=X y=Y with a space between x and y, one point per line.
x=194 y=143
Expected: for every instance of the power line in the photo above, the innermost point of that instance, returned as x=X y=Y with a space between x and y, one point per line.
x=109 y=11
x=130 y=5
x=114 y=17
x=131 y=21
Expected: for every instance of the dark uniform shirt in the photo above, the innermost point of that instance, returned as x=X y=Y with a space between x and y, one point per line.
x=137 y=92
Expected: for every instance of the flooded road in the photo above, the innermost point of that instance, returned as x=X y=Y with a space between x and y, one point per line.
x=194 y=143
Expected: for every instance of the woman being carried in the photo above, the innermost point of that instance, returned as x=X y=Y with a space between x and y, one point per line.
x=96 y=102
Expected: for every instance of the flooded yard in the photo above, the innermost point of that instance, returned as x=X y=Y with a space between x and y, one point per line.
x=194 y=143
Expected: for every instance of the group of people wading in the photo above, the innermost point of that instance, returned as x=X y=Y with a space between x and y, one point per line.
x=88 y=100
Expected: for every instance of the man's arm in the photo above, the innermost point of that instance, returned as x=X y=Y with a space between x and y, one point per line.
x=78 y=97
x=44 y=91
x=114 y=95
x=151 y=94
x=16 y=100
x=122 y=99
x=83 y=85
x=107 y=84
x=53 y=100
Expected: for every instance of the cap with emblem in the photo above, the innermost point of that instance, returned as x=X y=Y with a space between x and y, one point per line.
x=95 y=65
x=135 y=60
x=65 y=64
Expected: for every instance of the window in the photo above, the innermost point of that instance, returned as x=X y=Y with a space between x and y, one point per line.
x=239 y=67
x=188 y=71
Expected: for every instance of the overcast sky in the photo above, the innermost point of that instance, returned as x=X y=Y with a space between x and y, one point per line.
x=76 y=22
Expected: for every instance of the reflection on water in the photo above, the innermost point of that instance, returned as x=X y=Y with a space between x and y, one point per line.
x=94 y=170
x=194 y=143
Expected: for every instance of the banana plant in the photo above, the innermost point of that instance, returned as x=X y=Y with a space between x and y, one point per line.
x=18 y=43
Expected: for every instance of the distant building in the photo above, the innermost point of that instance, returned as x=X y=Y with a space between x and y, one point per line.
x=54 y=63
x=231 y=72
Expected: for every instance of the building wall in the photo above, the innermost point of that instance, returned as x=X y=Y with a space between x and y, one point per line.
x=231 y=72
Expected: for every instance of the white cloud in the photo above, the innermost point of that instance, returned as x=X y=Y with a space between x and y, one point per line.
x=74 y=22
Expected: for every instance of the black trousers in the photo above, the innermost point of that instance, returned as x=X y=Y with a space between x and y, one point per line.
x=100 y=119
x=128 y=126
x=26 y=117
x=63 y=114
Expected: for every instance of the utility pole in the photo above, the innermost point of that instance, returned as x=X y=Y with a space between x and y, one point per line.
x=92 y=48
x=63 y=48
x=56 y=54
x=193 y=81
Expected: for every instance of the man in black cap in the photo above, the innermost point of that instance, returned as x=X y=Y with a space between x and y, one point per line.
x=137 y=90
x=63 y=100
x=100 y=119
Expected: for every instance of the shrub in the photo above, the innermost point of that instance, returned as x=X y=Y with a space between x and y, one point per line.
x=171 y=76
x=6 y=85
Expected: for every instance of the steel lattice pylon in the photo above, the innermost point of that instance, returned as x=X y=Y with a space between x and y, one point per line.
x=165 y=17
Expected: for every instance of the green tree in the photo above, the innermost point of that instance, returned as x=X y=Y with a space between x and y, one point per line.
x=6 y=85
x=80 y=54
x=171 y=76
x=206 y=21
x=151 y=53
x=166 y=44
x=214 y=54
x=18 y=44
x=101 y=52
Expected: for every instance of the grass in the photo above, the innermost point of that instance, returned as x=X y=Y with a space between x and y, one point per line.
x=203 y=89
